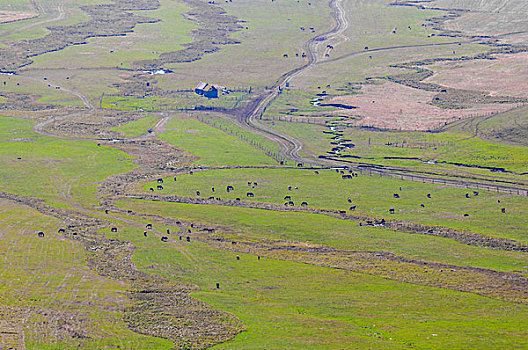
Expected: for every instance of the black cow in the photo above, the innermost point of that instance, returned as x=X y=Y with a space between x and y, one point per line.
x=160 y=181
x=349 y=200
x=41 y=234
x=113 y=229
x=250 y=194
x=353 y=207
x=188 y=239
x=391 y=210
x=197 y=193
x=145 y=233
x=428 y=195
x=164 y=239
x=396 y=195
x=503 y=210
x=61 y=230
x=212 y=189
x=159 y=187
x=149 y=226
x=287 y=198
x=304 y=204
x=422 y=205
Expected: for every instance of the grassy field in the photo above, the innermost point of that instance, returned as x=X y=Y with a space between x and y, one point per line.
x=49 y=298
x=372 y=195
x=210 y=145
x=65 y=167
x=281 y=311
x=251 y=273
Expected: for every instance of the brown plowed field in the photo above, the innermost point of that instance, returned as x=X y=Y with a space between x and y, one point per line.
x=395 y=106
x=506 y=75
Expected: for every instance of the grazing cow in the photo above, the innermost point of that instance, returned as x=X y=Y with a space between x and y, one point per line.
x=428 y=195
x=366 y=47
x=285 y=204
x=475 y=193
x=349 y=200
x=503 y=210
x=467 y=195
x=287 y=198
x=316 y=172
x=212 y=189
x=164 y=239
x=249 y=183
x=255 y=184
x=160 y=181
x=258 y=257
x=211 y=197
x=238 y=258
x=353 y=207
x=149 y=226
x=422 y=205
x=346 y=176
x=218 y=286
x=168 y=231
x=106 y=211
x=230 y=188
x=113 y=229
x=250 y=194
x=145 y=233
x=174 y=178
x=289 y=188
x=291 y=203
x=218 y=198
x=151 y=189
x=466 y=214
x=304 y=204
x=237 y=198
x=188 y=239
x=342 y=212
x=396 y=195
x=180 y=238
x=190 y=173
x=285 y=55
x=41 y=234
x=391 y=210
x=498 y=200
x=197 y=193
x=400 y=188
x=61 y=230
x=299 y=165
x=159 y=187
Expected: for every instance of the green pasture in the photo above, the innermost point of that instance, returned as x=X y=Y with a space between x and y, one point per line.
x=51 y=168
x=146 y=41
x=45 y=285
x=442 y=148
x=179 y=100
x=373 y=196
x=137 y=127
x=241 y=223
x=213 y=147
x=304 y=306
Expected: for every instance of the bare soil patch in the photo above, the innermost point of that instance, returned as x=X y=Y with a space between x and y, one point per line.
x=504 y=75
x=394 y=106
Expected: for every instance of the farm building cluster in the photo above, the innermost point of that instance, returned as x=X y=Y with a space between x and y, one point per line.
x=210 y=90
